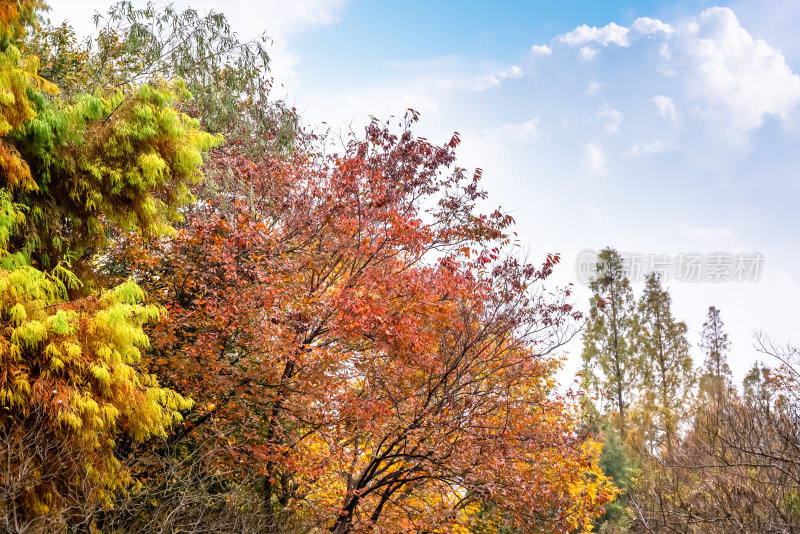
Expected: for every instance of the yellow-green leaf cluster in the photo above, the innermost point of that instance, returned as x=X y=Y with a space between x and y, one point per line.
x=106 y=160
x=93 y=162
x=18 y=75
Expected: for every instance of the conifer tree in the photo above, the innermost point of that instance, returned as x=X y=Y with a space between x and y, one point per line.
x=716 y=378
x=667 y=377
x=608 y=352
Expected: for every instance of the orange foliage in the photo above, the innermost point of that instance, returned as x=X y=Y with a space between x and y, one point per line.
x=352 y=326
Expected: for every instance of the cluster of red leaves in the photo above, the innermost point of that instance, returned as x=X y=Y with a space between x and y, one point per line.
x=354 y=329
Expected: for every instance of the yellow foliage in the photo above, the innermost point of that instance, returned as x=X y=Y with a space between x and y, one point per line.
x=69 y=369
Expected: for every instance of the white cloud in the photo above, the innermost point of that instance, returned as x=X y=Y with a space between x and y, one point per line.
x=725 y=67
x=594 y=159
x=612 y=116
x=666 y=107
x=541 y=50
x=288 y=18
x=587 y=53
x=648 y=26
x=594 y=88
x=612 y=33
x=484 y=82
x=717 y=64
x=518 y=131
x=645 y=149
x=513 y=72
x=488 y=81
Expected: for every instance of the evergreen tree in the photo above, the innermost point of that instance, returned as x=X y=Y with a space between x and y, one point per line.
x=716 y=378
x=667 y=370
x=618 y=464
x=610 y=360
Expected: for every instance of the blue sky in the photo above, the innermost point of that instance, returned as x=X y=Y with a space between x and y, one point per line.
x=654 y=127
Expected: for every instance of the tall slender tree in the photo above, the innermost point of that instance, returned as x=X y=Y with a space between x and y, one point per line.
x=668 y=375
x=608 y=353
x=716 y=377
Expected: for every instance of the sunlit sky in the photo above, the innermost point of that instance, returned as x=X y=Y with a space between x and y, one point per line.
x=656 y=127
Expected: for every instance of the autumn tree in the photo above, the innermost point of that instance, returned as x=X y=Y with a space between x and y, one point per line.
x=477 y=399
x=71 y=385
x=349 y=326
x=667 y=379
x=735 y=469
x=352 y=325
x=609 y=354
x=716 y=376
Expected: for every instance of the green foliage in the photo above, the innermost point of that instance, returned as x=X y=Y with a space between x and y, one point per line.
x=617 y=463
x=18 y=78
x=110 y=157
x=614 y=460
